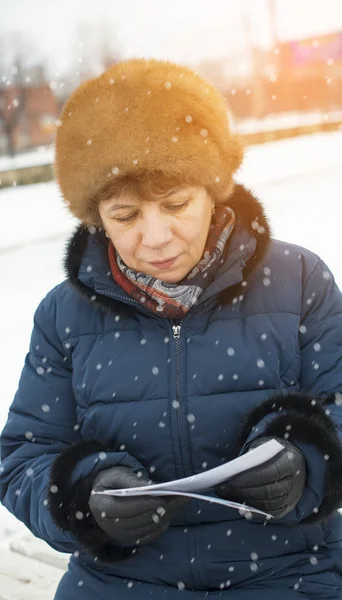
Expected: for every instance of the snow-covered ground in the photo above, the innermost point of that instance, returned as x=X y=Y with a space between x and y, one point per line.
x=288 y=120
x=298 y=180
x=43 y=155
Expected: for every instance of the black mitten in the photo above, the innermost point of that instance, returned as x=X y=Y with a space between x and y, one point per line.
x=130 y=520
x=275 y=487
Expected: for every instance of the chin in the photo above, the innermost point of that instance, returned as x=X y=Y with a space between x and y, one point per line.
x=172 y=277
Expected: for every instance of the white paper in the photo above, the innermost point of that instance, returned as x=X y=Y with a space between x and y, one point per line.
x=212 y=499
x=188 y=486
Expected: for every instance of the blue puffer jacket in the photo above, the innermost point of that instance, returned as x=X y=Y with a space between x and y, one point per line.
x=106 y=383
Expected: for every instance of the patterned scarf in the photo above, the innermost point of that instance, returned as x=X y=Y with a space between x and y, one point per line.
x=173 y=300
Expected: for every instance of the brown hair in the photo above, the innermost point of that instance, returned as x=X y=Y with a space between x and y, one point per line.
x=144 y=186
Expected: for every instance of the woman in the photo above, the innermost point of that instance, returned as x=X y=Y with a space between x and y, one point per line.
x=182 y=337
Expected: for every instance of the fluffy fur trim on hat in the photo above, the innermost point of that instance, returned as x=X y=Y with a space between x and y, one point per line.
x=304 y=418
x=144 y=116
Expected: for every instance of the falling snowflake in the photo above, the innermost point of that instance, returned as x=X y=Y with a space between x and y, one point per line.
x=338 y=399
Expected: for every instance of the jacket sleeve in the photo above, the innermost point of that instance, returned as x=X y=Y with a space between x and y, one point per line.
x=312 y=418
x=47 y=468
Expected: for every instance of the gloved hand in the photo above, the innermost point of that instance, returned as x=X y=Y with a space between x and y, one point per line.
x=274 y=487
x=132 y=519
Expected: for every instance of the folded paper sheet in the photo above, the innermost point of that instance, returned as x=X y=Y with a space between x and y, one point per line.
x=190 y=486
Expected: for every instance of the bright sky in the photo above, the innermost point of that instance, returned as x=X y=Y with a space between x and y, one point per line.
x=182 y=30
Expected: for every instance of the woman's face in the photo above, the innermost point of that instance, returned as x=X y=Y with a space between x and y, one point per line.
x=165 y=237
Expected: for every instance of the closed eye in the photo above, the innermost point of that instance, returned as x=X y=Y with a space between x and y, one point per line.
x=126 y=219
x=172 y=208
x=179 y=206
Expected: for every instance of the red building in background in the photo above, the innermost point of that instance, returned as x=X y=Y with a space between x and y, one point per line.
x=27 y=116
x=297 y=76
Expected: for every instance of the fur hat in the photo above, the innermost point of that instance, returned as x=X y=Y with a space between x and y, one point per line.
x=144 y=116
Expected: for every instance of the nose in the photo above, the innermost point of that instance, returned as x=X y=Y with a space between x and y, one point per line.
x=156 y=231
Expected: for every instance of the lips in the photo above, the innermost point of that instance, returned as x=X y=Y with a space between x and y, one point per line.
x=164 y=264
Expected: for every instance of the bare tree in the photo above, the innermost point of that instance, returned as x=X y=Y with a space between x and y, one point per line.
x=14 y=88
x=13 y=102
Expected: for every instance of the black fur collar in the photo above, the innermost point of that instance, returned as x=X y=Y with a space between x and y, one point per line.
x=249 y=213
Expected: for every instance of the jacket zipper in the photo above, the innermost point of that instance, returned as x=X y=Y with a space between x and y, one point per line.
x=176 y=331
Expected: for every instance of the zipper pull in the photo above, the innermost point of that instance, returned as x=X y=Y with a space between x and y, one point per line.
x=176 y=329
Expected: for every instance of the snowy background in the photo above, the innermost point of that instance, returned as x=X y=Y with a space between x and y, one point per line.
x=298 y=180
